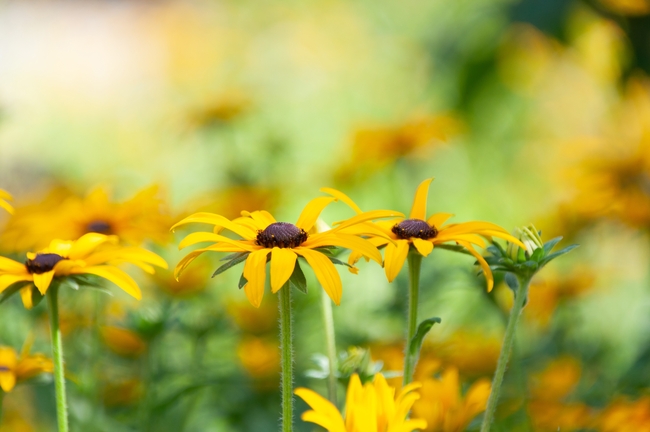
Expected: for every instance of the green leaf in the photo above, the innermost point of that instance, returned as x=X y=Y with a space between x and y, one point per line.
x=538 y=254
x=339 y=262
x=511 y=281
x=242 y=281
x=551 y=244
x=557 y=254
x=298 y=279
x=233 y=256
x=233 y=262
x=421 y=332
x=11 y=290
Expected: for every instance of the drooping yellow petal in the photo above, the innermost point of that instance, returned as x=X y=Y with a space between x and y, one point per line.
x=312 y=210
x=438 y=219
x=200 y=237
x=419 y=208
x=348 y=241
x=342 y=197
x=324 y=413
x=43 y=281
x=423 y=246
x=88 y=243
x=283 y=261
x=325 y=272
x=255 y=274
x=26 y=296
x=484 y=265
x=115 y=275
x=472 y=238
x=218 y=220
x=7 y=280
x=394 y=258
x=7 y=381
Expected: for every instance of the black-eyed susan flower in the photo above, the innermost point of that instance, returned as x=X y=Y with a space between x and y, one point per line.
x=15 y=369
x=93 y=254
x=4 y=197
x=373 y=407
x=424 y=233
x=264 y=239
x=65 y=216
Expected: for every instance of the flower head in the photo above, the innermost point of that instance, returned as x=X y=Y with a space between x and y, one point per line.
x=368 y=408
x=265 y=239
x=14 y=368
x=424 y=233
x=93 y=254
x=4 y=196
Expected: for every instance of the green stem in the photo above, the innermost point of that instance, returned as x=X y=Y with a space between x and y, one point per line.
x=286 y=351
x=330 y=339
x=57 y=355
x=506 y=348
x=414 y=265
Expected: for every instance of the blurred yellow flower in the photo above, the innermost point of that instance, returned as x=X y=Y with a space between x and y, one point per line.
x=557 y=380
x=260 y=358
x=422 y=233
x=14 y=369
x=93 y=254
x=551 y=416
x=123 y=393
x=627 y=7
x=261 y=236
x=140 y=218
x=370 y=408
x=443 y=406
x=625 y=415
x=123 y=341
x=4 y=197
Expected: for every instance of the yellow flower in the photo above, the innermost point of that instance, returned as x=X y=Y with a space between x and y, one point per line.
x=123 y=341
x=93 y=254
x=423 y=234
x=14 y=369
x=261 y=236
x=626 y=416
x=443 y=407
x=260 y=358
x=369 y=408
x=4 y=196
x=62 y=216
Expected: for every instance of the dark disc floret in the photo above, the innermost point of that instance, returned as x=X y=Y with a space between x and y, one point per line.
x=43 y=263
x=282 y=235
x=414 y=228
x=100 y=227
x=4 y=368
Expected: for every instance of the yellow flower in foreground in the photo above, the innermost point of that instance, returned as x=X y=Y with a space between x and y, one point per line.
x=14 y=369
x=423 y=234
x=443 y=407
x=4 y=196
x=93 y=254
x=263 y=238
x=369 y=408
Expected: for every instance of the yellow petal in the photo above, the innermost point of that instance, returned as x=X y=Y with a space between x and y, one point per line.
x=187 y=259
x=262 y=218
x=472 y=238
x=342 y=197
x=11 y=266
x=7 y=381
x=26 y=296
x=283 y=261
x=255 y=274
x=43 y=281
x=484 y=265
x=324 y=413
x=325 y=272
x=199 y=237
x=419 y=209
x=5 y=205
x=115 y=275
x=86 y=244
x=394 y=258
x=7 y=280
x=438 y=219
x=348 y=241
x=312 y=210
x=364 y=217
x=220 y=221
x=423 y=246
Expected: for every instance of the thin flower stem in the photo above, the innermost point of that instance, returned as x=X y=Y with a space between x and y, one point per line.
x=330 y=339
x=57 y=355
x=414 y=265
x=286 y=352
x=506 y=348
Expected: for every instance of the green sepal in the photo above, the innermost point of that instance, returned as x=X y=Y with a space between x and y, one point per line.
x=239 y=257
x=298 y=279
x=557 y=254
x=538 y=254
x=511 y=281
x=416 y=343
x=242 y=281
x=551 y=244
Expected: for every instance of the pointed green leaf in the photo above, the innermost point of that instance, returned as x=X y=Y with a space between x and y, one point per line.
x=233 y=262
x=298 y=279
x=551 y=244
x=339 y=262
x=557 y=254
x=242 y=281
x=421 y=332
x=233 y=256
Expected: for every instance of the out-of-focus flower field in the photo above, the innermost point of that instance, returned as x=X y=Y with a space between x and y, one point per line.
x=123 y=118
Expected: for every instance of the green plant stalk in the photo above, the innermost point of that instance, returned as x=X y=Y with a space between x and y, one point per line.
x=414 y=265
x=286 y=360
x=57 y=355
x=330 y=339
x=506 y=348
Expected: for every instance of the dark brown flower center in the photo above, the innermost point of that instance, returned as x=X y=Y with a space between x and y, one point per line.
x=43 y=263
x=100 y=227
x=414 y=228
x=4 y=368
x=282 y=235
